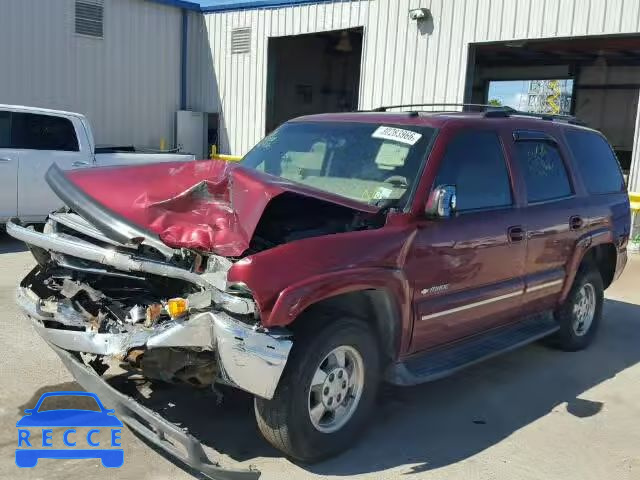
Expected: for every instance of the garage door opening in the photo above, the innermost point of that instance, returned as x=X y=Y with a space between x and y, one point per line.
x=313 y=73
x=595 y=79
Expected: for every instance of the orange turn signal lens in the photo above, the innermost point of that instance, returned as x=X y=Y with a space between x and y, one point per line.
x=176 y=307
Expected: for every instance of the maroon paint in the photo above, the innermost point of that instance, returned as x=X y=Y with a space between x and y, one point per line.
x=470 y=253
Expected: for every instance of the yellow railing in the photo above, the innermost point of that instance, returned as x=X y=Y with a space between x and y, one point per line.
x=214 y=155
x=634 y=199
x=227 y=158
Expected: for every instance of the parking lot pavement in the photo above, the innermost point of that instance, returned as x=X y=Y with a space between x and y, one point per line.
x=531 y=414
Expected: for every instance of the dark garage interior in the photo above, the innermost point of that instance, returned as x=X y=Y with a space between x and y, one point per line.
x=602 y=75
x=313 y=73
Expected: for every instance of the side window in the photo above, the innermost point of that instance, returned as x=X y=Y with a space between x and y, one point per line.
x=43 y=132
x=474 y=162
x=597 y=162
x=5 y=129
x=543 y=169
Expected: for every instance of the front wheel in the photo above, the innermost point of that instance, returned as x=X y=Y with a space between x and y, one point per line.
x=326 y=393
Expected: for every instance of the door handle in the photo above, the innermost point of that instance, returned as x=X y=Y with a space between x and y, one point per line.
x=516 y=234
x=5 y=160
x=576 y=222
x=80 y=164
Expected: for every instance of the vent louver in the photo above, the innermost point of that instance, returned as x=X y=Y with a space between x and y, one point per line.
x=240 y=40
x=89 y=18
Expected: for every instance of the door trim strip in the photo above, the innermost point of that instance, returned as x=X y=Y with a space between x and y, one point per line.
x=541 y=286
x=472 y=305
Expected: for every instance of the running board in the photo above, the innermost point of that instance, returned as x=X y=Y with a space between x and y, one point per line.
x=445 y=361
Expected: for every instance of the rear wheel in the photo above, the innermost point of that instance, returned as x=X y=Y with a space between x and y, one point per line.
x=326 y=393
x=580 y=315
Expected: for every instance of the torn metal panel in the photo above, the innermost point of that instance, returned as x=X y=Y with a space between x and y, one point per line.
x=110 y=224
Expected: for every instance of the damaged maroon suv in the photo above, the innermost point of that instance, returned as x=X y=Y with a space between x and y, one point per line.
x=343 y=251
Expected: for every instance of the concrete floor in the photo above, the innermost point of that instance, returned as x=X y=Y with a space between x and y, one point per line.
x=531 y=414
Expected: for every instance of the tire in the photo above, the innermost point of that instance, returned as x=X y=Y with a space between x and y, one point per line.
x=285 y=420
x=573 y=334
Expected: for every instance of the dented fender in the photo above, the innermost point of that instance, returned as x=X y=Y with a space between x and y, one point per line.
x=296 y=298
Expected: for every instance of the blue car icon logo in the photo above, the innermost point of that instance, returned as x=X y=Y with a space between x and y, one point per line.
x=35 y=432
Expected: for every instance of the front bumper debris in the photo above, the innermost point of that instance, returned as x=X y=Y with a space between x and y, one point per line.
x=68 y=245
x=150 y=425
x=250 y=359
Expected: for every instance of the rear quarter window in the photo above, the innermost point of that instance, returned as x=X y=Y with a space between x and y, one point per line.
x=42 y=132
x=596 y=161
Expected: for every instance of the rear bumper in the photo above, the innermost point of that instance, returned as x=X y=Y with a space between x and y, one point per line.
x=150 y=425
x=250 y=359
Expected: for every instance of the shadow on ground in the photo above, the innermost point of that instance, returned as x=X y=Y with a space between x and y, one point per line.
x=9 y=244
x=436 y=424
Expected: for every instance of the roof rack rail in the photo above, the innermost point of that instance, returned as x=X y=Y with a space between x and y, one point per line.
x=464 y=105
x=497 y=113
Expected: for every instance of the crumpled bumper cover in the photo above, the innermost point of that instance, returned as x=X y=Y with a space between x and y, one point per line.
x=150 y=425
x=250 y=359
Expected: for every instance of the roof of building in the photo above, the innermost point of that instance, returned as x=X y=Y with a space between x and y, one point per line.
x=229 y=5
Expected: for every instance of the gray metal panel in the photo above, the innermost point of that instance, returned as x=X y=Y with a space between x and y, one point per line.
x=127 y=83
x=402 y=63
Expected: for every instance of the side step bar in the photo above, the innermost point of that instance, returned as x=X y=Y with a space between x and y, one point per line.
x=445 y=361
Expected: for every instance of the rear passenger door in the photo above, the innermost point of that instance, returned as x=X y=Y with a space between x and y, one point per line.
x=42 y=140
x=551 y=216
x=8 y=170
x=467 y=271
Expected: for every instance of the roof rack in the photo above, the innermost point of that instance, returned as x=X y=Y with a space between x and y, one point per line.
x=483 y=106
x=490 y=111
x=542 y=116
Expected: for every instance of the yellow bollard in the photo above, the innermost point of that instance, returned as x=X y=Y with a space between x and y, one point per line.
x=163 y=144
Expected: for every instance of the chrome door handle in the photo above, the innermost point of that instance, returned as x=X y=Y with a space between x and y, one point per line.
x=80 y=164
x=5 y=160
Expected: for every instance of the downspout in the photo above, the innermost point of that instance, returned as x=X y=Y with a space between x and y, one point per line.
x=183 y=59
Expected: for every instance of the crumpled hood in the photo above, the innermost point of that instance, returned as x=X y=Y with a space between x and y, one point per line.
x=207 y=205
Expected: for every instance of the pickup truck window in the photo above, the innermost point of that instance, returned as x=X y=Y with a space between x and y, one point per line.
x=5 y=129
x=543 y=169
x=474 y=162
x=42 y=132
x=370 y=163
x=597 y=162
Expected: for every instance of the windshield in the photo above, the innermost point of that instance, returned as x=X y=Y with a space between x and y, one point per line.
x=376 y=164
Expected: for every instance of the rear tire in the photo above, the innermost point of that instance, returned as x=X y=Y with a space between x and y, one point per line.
x=581 y=313
x=326 y=393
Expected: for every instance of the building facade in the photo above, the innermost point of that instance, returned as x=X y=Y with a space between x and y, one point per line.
x=252 y=64
x=403 y=61
x=123 y=72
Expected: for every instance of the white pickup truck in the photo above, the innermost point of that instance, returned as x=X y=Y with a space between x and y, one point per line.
x=31 y=139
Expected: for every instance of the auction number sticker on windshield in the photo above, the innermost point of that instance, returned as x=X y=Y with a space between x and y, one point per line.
x=397 y=134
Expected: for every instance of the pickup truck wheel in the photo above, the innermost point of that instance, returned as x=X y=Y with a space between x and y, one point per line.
x=580 y=315
x=326 y=393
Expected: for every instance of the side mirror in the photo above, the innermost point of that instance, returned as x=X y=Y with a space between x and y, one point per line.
x=28 y=411
x=441 y=202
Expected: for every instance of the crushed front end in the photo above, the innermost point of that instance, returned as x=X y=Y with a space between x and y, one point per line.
x=107 y=291
x=104 y=299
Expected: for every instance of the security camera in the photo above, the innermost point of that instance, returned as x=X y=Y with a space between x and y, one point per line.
x=419 y=14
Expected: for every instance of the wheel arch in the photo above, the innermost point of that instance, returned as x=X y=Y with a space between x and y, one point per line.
x=597 y=248
x=378 y=297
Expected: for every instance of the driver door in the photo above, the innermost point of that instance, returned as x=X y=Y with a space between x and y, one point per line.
x=466 y=271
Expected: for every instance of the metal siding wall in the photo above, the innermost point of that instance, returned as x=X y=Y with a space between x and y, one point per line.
x=128 y=83
x=400 y=63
